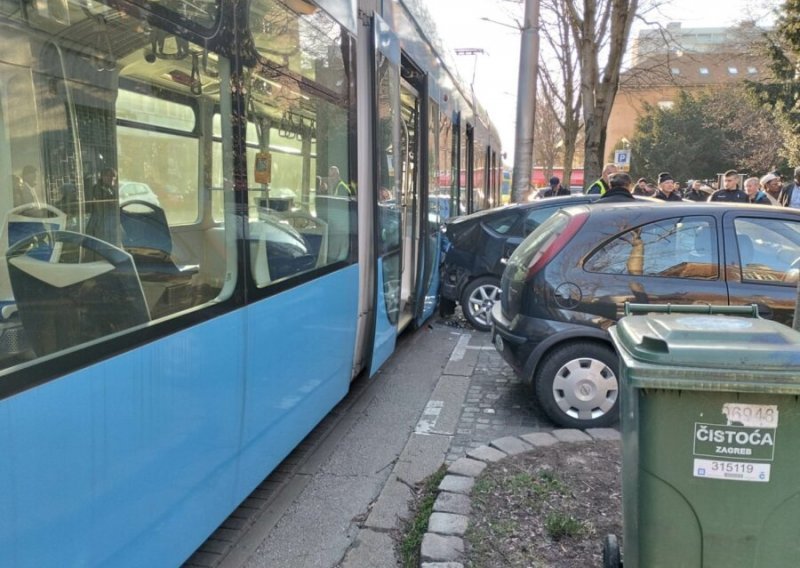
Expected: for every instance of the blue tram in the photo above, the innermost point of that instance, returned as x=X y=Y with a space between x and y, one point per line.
x=220 y=213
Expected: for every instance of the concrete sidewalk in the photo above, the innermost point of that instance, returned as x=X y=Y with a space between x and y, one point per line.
x=477 y=399
x=425 y=451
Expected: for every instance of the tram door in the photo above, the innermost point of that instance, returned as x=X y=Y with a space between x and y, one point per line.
x=399 y=134
x=387 y=182
x=409 y=199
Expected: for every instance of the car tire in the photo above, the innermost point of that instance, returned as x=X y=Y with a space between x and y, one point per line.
x=577 y=385
x=477 y=300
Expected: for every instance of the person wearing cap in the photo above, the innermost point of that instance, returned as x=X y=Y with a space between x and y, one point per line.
x=730 y=192
x=641 y=188
x=619 y=189
x=666 y=188
x=556 y=189
x=601 y=185
x=771 y=184
x=790 y=194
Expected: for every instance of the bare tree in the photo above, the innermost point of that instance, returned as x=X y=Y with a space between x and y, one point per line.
x=547 y=132
x=557 y=74
x=601 y=29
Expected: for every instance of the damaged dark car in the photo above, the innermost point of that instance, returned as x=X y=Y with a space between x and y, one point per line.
x=478 y=247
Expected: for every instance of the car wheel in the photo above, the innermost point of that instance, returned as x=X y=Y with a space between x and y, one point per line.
x=477 y=300
x=577 y=385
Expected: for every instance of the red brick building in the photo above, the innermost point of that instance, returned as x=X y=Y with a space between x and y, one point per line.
x=674 y=59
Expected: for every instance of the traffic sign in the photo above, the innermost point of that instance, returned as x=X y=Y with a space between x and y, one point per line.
x=622 y=159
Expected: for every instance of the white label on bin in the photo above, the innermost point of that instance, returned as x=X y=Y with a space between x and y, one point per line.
x=721 y=441
x=715 y=323
x=730 y=470
x=751 y=415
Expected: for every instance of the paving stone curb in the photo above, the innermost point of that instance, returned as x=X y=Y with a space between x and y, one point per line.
x=443 y=545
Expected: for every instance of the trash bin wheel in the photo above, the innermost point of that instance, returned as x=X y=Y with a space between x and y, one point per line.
x=611 y=554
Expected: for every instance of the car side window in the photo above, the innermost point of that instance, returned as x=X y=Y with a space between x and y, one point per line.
x=536 y=217
x=767 y=250
x=682 y=247
x=503 y=223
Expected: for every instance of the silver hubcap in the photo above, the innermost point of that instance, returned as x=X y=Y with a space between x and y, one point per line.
x=481 y=301
x=585 y=388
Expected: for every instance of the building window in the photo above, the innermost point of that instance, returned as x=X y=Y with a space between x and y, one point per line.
x=704 y=70
x=733 y=70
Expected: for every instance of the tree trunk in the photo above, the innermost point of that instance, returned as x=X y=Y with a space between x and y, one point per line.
x=600 y=27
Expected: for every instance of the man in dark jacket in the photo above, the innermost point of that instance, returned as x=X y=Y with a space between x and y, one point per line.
x=666 y=188
x=619 y=190
x=730 y=193
x=641 y=188
x=556 y=189
x=693 y=191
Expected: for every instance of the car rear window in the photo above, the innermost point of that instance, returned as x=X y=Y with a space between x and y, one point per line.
x=519 y=265
x=547 y=231
x=503 y=223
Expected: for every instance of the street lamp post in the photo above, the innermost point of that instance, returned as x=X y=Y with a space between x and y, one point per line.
x=526 y=101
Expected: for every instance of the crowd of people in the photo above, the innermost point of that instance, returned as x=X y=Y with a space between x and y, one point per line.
x=769 y=189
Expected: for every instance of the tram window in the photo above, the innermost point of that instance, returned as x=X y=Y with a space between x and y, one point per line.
x=479 y=178
x=304 y=39
x=301 y=190
x=166 y=163
x=299 y=220
x=105 y=149
x=166 y=160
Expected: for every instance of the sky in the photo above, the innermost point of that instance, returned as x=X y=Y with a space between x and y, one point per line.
x=494 y=72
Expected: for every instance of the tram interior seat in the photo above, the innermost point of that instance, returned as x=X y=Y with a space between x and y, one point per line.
x=62 y=304
x=147 y=237
x=21 y=222
x=314 y=230
x=340 y=215
x=277 y=250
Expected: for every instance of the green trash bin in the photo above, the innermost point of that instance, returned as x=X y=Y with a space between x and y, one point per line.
x=710 y=440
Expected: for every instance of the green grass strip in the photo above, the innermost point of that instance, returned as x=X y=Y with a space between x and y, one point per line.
x=418 y=526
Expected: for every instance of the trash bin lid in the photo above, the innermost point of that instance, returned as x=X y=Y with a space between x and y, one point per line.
x=709 y=341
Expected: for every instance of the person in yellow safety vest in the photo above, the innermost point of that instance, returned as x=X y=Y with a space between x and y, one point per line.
x=335 y=184
x=601 y=185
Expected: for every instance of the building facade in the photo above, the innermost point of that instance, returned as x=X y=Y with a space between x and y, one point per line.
x=671 y=59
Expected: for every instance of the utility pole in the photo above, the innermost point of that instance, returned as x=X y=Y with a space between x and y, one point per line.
x=526 y=101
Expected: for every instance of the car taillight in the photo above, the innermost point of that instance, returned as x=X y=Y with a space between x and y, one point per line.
x=555 y=243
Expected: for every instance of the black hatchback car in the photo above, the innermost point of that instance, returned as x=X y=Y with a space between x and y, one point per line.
x=478 y=248
x=566 y=284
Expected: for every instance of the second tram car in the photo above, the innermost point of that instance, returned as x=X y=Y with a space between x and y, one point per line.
x=286 y=166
